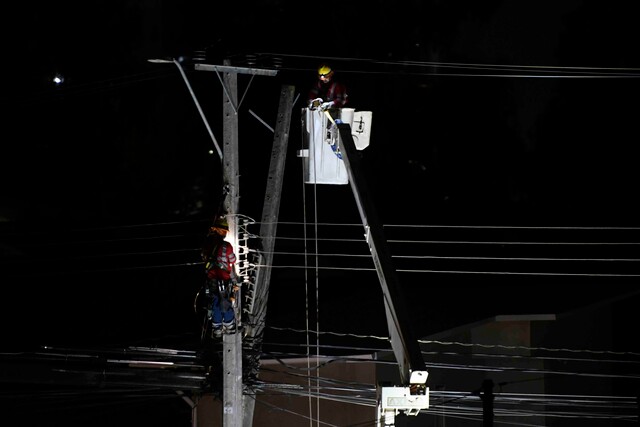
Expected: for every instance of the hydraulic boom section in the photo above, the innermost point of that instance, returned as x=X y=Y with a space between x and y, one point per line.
x=413 y=395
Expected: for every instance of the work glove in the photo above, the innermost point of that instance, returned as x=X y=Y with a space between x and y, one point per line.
x=326 y=105
x=315 y=103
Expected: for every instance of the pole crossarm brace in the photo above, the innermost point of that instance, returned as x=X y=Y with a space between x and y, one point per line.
x=235 y=70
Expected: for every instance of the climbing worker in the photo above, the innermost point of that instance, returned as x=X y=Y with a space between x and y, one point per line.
x=327 y=92
x=221 y=285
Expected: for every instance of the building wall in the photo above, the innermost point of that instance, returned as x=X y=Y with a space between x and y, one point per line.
x=280 y=408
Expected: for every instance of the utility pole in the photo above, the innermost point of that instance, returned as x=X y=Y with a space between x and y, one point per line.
x=270 y=212
x=486 y=394
x=233 y=407
x=232 y=400
x=231 y=343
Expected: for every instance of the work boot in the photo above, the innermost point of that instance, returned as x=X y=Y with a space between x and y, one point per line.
x=217 y=330
x=230 y=327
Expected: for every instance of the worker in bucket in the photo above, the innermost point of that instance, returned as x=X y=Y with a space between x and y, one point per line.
x=327 y=92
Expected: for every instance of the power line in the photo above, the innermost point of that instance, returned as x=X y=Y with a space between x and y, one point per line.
x=433 y=68
x=461 y=244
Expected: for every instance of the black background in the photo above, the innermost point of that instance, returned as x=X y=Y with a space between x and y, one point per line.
x=107 y=186
x=91 y=169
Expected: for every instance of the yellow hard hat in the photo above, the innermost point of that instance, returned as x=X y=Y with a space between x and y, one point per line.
x=220 y=224
x=324 y=70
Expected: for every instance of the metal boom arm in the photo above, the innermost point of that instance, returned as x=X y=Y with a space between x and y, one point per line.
x=403 y=342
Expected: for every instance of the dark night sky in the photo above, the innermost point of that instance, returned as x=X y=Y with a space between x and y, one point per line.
x=121 y=142
x=91 y=169
x=123 y=130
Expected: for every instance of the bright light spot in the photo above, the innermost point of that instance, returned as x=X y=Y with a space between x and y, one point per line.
x=210 y=151
x=58 y=79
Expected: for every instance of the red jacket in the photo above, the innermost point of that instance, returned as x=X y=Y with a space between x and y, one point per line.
x=331 y=91
x=221 y=263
